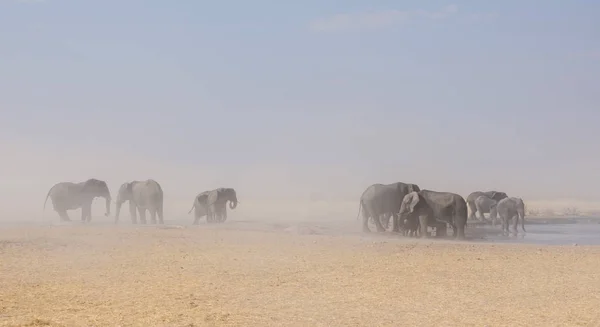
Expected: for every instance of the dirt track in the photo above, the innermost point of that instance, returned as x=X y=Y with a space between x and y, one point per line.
x=107 y=276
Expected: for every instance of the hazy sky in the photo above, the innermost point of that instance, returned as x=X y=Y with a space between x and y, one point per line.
x=322 y=96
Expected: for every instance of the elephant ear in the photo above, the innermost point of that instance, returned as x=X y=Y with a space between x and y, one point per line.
x=414 y=200
x=212 y=196
x=414 y=188
x=129 y=187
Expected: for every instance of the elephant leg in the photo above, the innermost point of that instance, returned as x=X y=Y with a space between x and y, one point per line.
x=159 y=212
x=210 y=214
x=366 y=214
x=504 y=225
x=219 y=215
x=224 y=217
x=423 y=222
x=86 y=212
x=63 y=215
x=493 y=215
x=380 y=228
x=142 y=213
x=132 y=213
x=152 y=215
x=386 y=220
x=472 y=210
x=515 y=224
x=396 y=223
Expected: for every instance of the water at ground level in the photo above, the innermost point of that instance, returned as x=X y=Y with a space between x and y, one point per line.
x=581 y=231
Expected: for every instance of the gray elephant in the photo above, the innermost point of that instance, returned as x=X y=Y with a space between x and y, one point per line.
x=381 y=199
x=216 y=204
x=142 y=195
x=200 y=206
x=69 y=196
x=411 y=227
x=494 y=195
x=509 y=208
x=436 y=209
x=483 y=204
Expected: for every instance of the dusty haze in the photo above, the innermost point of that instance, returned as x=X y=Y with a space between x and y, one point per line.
x=298 y=106
x=288 y=102
x=278 y=192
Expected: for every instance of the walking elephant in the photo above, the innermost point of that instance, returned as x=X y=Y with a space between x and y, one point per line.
x=483 y=204
x=200 y=206
x=69 y=196
x=509 y=208
x=494 y=195
x=216 y=204
x=381 y=199
x=436 y=209
x=142 y=195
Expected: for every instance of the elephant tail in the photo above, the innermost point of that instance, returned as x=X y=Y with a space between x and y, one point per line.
x=47 y=195
x=193 y=206
x=523 y=223
x=359 y=206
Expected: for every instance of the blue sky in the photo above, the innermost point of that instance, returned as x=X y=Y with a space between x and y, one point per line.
x=453 y=95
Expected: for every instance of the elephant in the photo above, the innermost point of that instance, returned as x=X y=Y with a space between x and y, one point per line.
x=142 y=195
x=200 y=206
x=486 y=205
x=411 y=227
x=69 y=196
x=383 y=199
x=507 y=209
x=436 y=209
x=494 y=195
x=216 y=204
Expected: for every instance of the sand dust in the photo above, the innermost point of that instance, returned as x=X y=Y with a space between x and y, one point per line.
x=146 y=276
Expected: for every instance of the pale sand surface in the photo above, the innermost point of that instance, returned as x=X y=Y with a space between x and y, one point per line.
x=114 y=276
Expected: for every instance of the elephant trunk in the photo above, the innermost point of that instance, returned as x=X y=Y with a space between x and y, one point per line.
x=233 y=204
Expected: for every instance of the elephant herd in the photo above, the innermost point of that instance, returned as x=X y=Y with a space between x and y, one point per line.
x=414 y=210
x=142 y=195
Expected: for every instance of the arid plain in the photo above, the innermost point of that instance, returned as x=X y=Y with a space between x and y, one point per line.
x=106 y=275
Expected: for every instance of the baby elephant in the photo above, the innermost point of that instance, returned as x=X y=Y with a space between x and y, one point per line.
x=507 y=209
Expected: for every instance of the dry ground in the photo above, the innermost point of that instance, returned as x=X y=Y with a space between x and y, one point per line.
x=109 y=276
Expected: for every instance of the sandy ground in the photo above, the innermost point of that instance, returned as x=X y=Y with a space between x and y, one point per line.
x=214 y=276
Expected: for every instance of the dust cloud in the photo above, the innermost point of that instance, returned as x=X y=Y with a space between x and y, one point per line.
x=265 y=192
x=291 y=254
x=281 y=193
